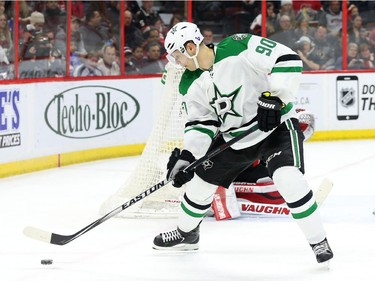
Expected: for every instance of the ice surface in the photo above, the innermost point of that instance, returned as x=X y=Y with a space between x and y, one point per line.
x=64 y=200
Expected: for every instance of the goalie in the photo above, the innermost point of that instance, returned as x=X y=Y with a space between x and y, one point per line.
x=253 y=192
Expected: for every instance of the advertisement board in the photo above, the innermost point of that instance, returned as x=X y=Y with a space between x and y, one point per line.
x=41 y=119
x=43 y=123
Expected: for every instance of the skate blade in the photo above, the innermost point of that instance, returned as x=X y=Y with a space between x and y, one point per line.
x=179 y=248
x=325 y=265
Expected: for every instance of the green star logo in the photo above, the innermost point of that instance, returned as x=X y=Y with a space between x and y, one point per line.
x=224 y=104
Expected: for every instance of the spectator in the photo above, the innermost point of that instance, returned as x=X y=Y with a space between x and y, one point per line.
x=146 y=16
x=353 y=61
x=323 y=51
x=78 y=10
x=366 y=56
x=332 y=18
x=53 y=15
x=113 y=12
x=138 y=59
x=159 y=25
x=286 y=34
x=354 y=31
x=133 y=35
x=303 y=28
x=352 y=13
x=151 y=36
x=108 y=64
x=208 y=36
x=106 y=22
x=256 y=25
x=286 y=9
x=133 y=6
x=94 y=35
x=6 y=49
x=304 y=48
x=371 y=38
x=76 y=41
x=130 y=67
x=77 y=47
x=366 y=9
x=6 y=42
x=35 y=50
x=308 y=10
x=153 y=64
x=89 y=67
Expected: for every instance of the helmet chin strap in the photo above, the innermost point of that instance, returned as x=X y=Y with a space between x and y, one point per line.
x=194 y=58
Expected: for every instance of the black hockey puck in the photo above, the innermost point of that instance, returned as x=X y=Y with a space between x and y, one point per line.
x=46 y=261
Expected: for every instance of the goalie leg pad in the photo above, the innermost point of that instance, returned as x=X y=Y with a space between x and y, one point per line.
x=299 y=197
x=225 y=204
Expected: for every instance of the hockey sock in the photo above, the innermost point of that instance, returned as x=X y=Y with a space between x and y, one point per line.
x=195 y=203
x=299 y=197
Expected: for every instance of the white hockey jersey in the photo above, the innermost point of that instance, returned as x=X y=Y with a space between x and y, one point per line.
x=225 y=97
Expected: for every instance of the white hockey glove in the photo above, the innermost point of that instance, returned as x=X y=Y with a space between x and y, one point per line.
x=178 y=161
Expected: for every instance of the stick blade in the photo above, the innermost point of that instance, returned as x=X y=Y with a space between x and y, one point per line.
x=37 y=234
x=323 y=191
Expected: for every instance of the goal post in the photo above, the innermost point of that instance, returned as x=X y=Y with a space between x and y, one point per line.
x=166 y=134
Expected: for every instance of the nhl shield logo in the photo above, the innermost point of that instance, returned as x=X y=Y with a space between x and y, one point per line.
x=208 y=164
x=347 y=98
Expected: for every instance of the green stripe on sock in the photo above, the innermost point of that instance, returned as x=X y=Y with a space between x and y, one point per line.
x=287 y=69
x=306 y=213
x=190 y=213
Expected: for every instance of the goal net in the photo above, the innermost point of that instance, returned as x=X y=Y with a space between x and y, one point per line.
x=166 y=134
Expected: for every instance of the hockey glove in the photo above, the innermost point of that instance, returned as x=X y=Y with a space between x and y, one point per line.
x=178 y=161
x=269 y=113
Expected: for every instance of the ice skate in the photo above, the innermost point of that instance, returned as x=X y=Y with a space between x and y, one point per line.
x=322 y=251
x=177 y=240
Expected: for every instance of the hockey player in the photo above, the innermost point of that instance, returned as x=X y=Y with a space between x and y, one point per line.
x=245 y=82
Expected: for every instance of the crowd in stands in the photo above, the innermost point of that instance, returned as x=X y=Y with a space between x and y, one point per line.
x=312 y=28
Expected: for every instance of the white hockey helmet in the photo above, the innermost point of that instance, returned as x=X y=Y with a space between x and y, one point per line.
x=178 y=35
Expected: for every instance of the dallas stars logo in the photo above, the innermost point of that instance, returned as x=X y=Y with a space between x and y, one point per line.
x=224 y=104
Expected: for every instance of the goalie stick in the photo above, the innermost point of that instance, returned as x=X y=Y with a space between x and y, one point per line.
x=58 y=239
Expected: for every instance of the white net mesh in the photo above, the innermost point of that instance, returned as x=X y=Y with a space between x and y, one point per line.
x=167 y=133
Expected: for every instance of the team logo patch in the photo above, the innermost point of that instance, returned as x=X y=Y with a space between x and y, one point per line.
x=208 y=164
x=223 y=104
x=239 y=36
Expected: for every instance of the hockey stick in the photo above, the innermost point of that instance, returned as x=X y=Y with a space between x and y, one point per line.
x=58 y=239
x=323 y=191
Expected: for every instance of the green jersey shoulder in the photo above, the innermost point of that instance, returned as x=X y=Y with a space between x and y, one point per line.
x=232 y=46
x=188 y=77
